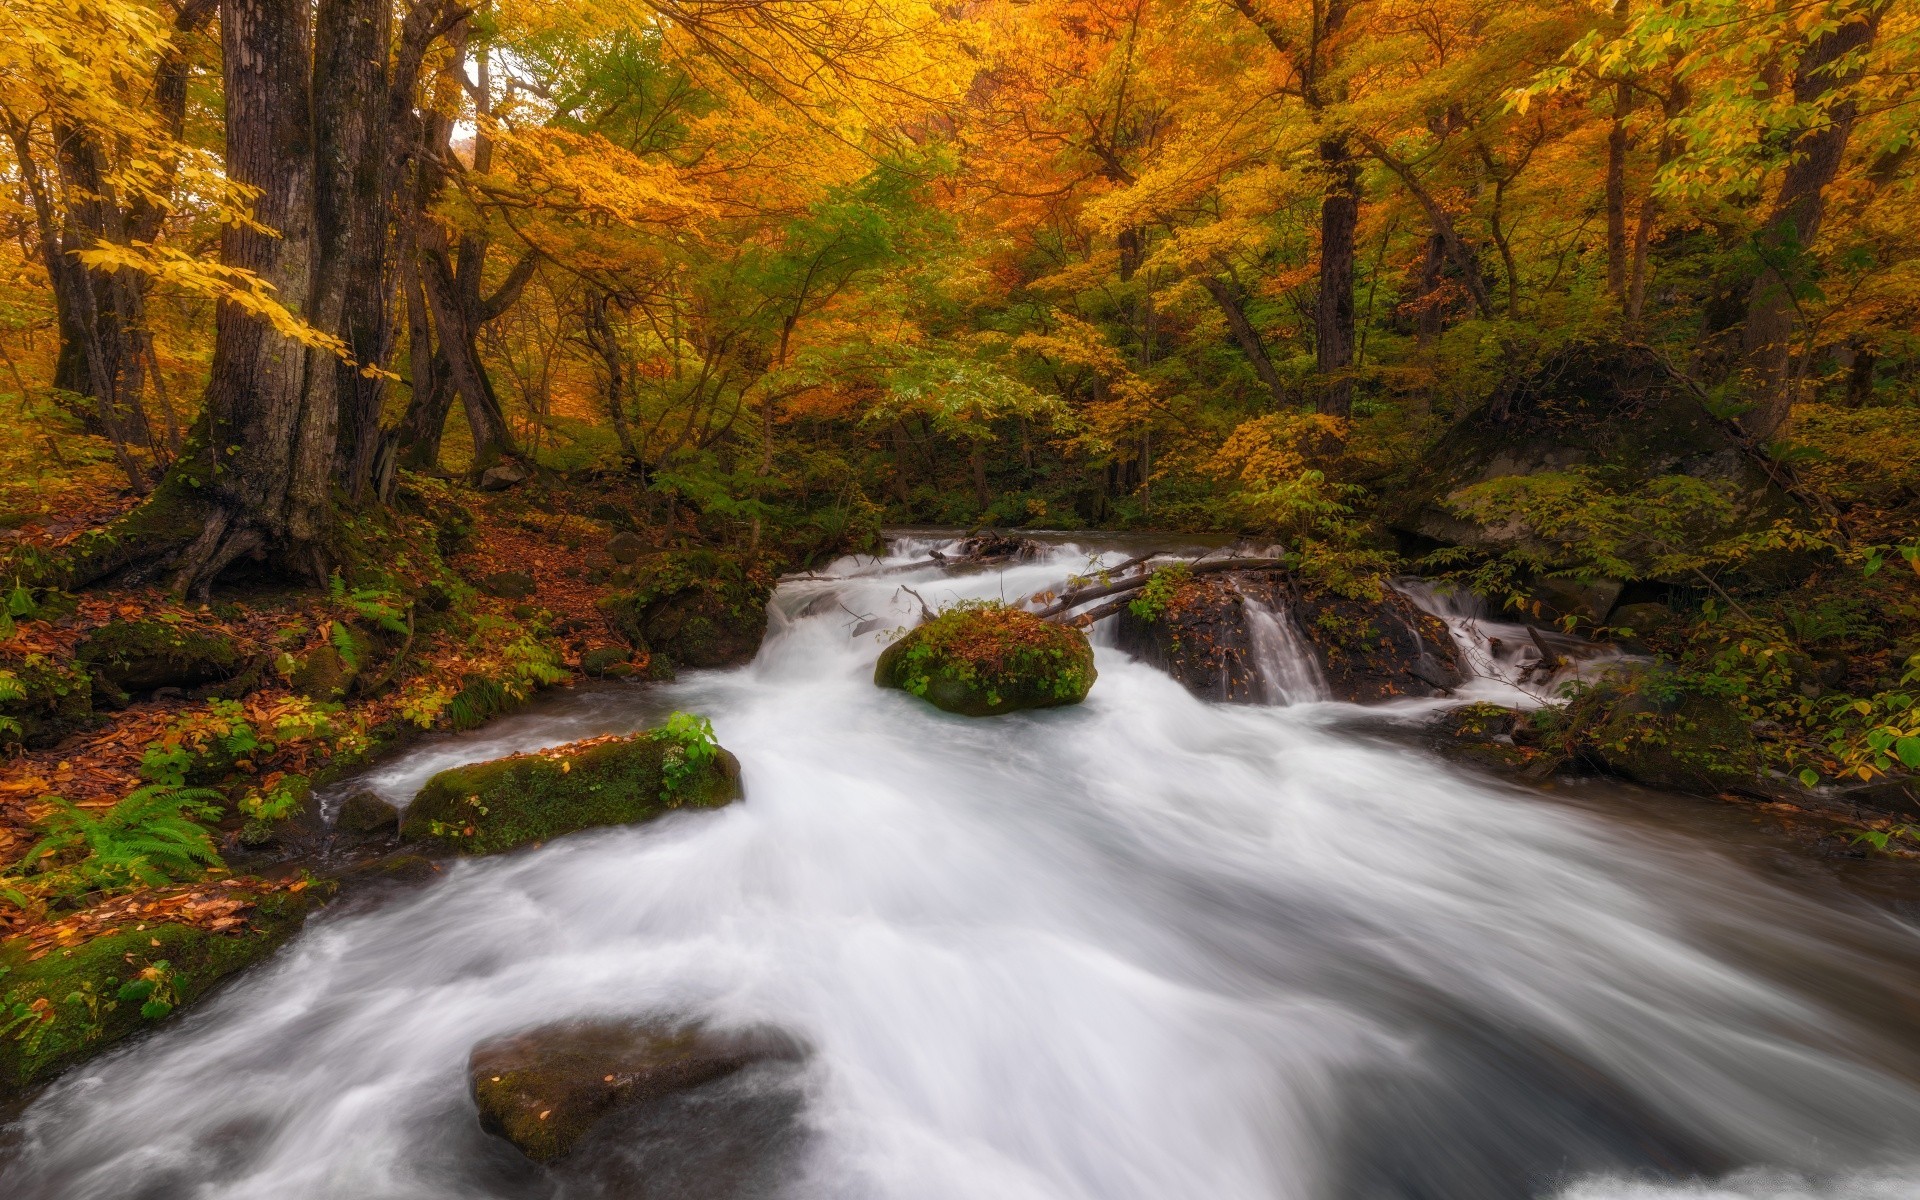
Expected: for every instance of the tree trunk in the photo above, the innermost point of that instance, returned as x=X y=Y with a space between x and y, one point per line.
x=1785 y=242
x=1227 y=296
x=1333 y=308
x=1617 y=195
x=267 y=437
x=352 y=191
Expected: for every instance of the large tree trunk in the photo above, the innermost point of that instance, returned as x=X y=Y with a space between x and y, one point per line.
x=267 y=436
x=1617 y=195
x=1785 y=242
x=1333 y=307
x=353 y=186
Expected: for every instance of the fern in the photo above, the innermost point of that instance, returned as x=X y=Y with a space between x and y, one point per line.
x=154 y=836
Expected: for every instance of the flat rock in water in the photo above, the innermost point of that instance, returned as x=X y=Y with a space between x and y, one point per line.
x=544 y=1089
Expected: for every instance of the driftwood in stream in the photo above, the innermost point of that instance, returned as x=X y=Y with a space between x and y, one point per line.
x=1123 y=588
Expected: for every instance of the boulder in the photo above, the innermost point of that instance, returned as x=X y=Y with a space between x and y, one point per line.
x=694 y=608
x=545 y=1089
x=363 y=814
x=1640 y=723
x=607 y=662
x=509 y=585
x=53 y=700
x=324 y=673
x=505 y=475
x=1586 y=404
x=488 y=807
x=627 y=547
x=1208 y=636
x=85 y=997
x=985 y=659
x=138 y=657
x=1495 y=738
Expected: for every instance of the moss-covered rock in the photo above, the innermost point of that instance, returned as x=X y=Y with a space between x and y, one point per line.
x=136 y=657
x=74 y=1001
x=695 y=608
x=544 y=1089
x=1643 y=725
x=607 y=662
x=1495 y=738
x=55 y=700
x=983 y=659
x=488 y=807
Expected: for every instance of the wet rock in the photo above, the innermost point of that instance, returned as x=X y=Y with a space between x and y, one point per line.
x=1208 y=636
x=993 y=546
x=1591 y=601
x=505 y=475
x=364 y=813
x=509 y=585
x=982 y=660
x=545 y=1089
x=138 y=657
x=694 y=608
x=1495 y=738
x=1642 y=724
x=55 y=700
x=607 y=662
x=1642 y=618
x=488 y=807
x=83 y=998
x=627 y=548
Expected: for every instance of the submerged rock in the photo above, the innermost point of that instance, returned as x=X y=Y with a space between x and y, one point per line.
x=1242 y=636
x=985 y=659
x=138 y=657
x=73 y=1001
x=364 y=813
x=488 y=807
x=694 y=608
x=544 y=1089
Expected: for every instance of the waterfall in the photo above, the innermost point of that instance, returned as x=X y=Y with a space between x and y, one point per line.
x=1286 y=665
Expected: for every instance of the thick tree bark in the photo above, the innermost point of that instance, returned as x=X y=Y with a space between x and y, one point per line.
x=1333 y=306
x=267 y=435
x=1227 y=295
x=1785 y=242
x=1617 y=195
x=353 y=187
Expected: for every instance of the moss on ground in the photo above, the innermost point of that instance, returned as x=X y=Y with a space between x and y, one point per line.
x=139 y=656
x=493 y=806
x=983 y=659
x=75 y=1001
x=56 y=700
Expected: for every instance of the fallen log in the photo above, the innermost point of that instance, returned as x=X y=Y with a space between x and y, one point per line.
x=1076 y=598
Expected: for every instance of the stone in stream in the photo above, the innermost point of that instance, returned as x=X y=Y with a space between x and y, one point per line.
x=1363 y=650
x=693 y=608
x=980 y=660
x=488 y=807
x=544 y=1089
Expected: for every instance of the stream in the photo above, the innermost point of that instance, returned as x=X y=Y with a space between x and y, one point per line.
x=1146 y=947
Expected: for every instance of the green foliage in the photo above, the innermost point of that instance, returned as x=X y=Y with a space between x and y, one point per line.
x=692 y=748
x=153 y=836
x=1162 y=586
x=980 y=657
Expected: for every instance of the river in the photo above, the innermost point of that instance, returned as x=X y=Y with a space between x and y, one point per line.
x=1146 y=947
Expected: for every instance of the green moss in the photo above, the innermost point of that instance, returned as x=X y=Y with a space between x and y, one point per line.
x=73 y=1002
x=695 y=608
x=1644 y=726
x=55 y=700
x=983 y=659
x=493 y=806
x=139 y=656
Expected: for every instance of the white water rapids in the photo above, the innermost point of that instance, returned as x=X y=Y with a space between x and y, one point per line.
x=1146 y=948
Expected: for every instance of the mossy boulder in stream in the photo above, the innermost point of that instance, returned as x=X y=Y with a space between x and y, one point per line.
x=693 y=608
x=1647 y=726
x=136 y=657
x=62 y=1004
x=980 y=660
x=488 y=807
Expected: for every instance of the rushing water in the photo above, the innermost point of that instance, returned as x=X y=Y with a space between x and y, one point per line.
x=1144 y=948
